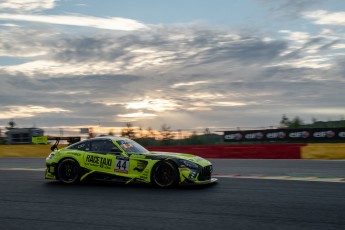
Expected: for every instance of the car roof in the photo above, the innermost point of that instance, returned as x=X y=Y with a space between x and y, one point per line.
x=109 y=137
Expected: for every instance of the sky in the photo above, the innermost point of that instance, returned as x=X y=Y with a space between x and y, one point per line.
x=196 y=64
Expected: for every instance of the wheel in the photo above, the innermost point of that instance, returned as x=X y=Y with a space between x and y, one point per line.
x=68 y=171
x=165 y=174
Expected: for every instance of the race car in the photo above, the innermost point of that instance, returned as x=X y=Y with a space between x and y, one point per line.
x=124 y=160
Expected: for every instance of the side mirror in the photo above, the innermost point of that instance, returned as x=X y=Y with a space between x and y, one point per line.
x=115 y=151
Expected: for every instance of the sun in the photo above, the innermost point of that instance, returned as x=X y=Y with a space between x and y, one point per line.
x=157 y=105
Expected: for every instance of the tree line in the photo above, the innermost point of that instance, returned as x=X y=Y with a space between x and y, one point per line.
x=297 y=122
x=166 y=136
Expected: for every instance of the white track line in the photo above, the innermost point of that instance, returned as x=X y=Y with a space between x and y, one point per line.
x=22 y=169
x=319 y=179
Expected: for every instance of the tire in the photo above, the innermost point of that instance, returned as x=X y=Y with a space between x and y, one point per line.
x=68 y=171
x=165 y=174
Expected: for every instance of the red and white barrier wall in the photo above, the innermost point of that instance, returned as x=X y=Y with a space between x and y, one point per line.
x=260 y=151
x=235 y=151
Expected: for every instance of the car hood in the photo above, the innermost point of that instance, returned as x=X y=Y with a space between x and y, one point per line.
x=196 y=159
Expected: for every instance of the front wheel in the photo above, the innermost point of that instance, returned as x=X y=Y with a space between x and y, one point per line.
x=165 y=174
x=68 y=171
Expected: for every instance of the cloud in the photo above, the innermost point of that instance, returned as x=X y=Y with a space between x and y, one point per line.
x=22 y=42
x=137 y=52
x=137 y=115
x=27 y=5
x=181 y=76
x=291 y=9
x=323 y=17
x=123 y=24
x=181 y=84
x=26 y=111
x=158 y=105
x=229 y=103
x=9 y=25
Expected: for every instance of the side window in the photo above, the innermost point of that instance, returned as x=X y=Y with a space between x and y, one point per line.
x=97 y=146
x=104 y=146
x=109 y=147
x=83 y=146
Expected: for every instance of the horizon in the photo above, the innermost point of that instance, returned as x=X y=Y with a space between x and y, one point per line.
x=64 y=131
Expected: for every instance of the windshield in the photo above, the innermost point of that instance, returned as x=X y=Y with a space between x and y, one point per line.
x=132 y=147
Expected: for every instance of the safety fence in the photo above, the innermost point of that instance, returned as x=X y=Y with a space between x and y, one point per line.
x=232 y=151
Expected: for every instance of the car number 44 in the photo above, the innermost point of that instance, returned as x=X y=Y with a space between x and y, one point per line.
x=121 y=165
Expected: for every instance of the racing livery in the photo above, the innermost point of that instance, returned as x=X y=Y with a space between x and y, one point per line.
x=124 y=160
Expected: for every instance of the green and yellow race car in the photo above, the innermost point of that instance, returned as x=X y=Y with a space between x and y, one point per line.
x=124 y=160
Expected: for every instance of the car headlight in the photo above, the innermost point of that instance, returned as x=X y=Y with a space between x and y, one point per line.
x=189 y=164
x=51 y=155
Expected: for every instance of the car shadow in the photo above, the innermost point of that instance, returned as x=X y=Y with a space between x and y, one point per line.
x=112 y=184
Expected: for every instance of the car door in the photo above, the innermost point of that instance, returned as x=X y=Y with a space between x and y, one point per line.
x=99 y=158
x=132 y=163
x=121 y=161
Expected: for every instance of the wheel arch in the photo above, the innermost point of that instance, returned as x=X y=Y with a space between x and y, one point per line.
x=59 y=162
x=171 y=161
x=164 y=160
x=67 y=157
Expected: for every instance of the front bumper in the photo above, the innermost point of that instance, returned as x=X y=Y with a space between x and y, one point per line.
x=188 y=182
x=50 y=171
x=200 y=176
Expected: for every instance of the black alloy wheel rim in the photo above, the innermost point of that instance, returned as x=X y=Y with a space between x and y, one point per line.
x=165 y=175
x=68 y=171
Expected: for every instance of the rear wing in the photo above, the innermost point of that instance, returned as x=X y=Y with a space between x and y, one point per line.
x=55 y=145
x=70 y=140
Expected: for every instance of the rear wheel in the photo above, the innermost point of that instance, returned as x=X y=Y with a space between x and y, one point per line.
x=165 y=174
x=68 y=171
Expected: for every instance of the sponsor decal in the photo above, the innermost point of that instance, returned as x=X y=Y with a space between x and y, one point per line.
x=121 y=164
x=75 y=154
x=235 y=136
x=328 y=134
x=341 y=134
x=184 y=169
x=293 y=135
x=258 y=135
x=276 y=135
x=40 y=140
x=98 y=161
x=137 y=156
x=302 y=134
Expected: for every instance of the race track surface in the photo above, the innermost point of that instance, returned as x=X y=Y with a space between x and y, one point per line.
x=28 y=201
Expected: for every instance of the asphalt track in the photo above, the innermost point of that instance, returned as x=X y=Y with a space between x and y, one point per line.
x=28 y=201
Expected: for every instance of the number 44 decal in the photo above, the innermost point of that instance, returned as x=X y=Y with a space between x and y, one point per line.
x=121 y=165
